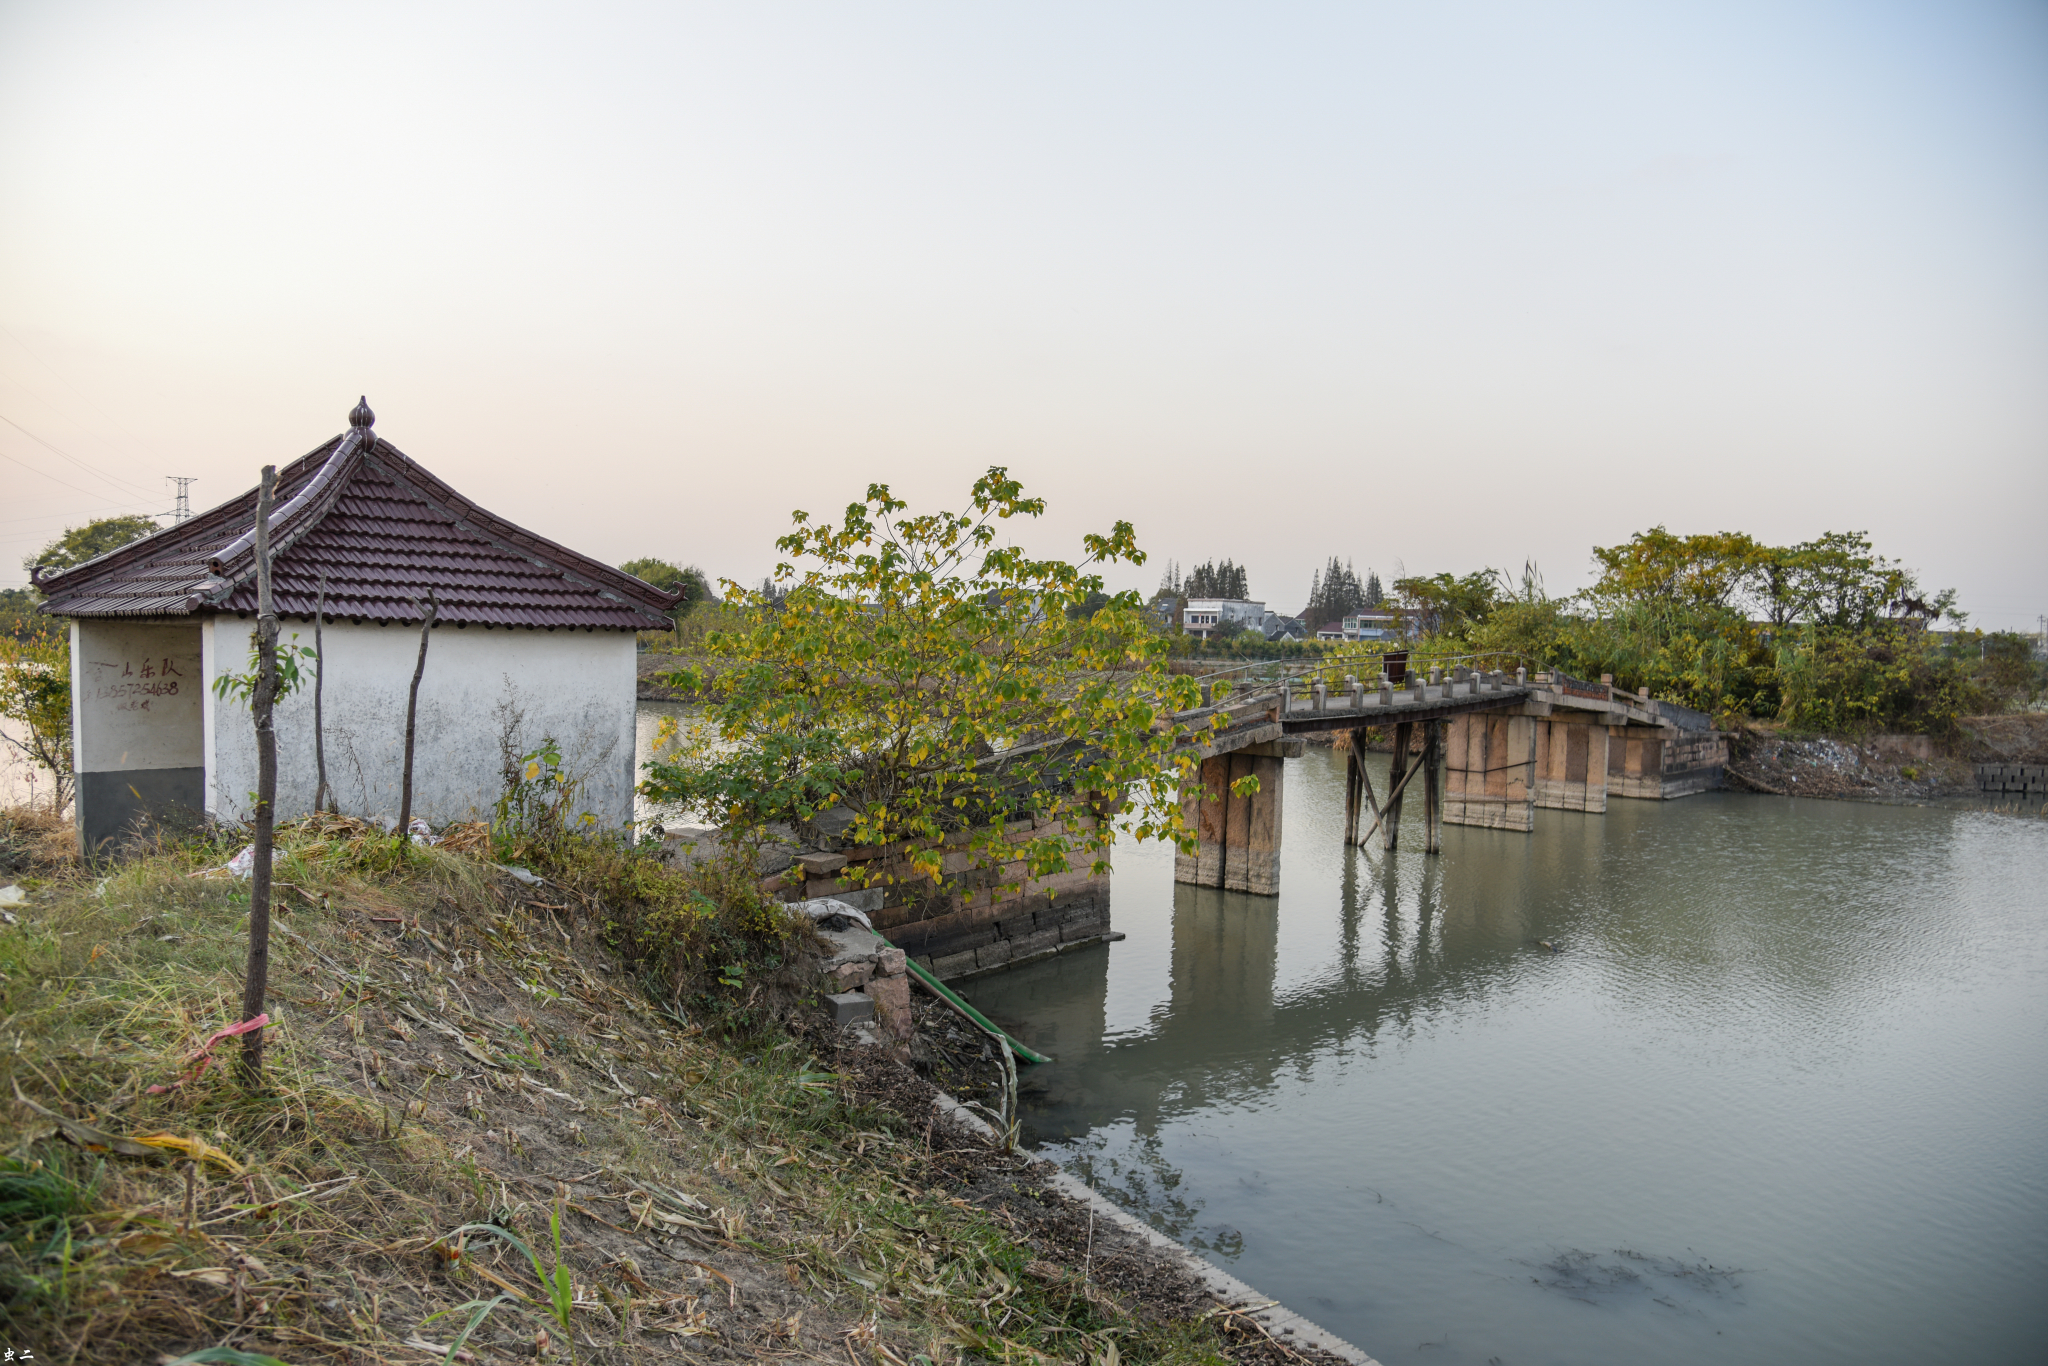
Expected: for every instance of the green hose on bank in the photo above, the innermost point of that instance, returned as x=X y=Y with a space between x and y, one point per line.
x=939 y=989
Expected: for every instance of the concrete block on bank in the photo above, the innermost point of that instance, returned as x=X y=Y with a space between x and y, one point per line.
x=953 y=964
x=1080 y=928
x=891 y=997
x=1042 y=942
x=854 y=944
x=993 y=955
x=1017 y=924
x=868 y=899
x=850 y=1007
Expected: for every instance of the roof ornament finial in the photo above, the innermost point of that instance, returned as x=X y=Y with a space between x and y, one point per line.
x=360 y=417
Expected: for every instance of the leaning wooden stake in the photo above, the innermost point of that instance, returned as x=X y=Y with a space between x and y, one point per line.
x=323 y=798
x=428 y=611
x=256 y=974
x=1385 y=817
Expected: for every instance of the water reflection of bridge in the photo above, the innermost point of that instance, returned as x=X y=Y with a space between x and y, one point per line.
x=1224 y=1033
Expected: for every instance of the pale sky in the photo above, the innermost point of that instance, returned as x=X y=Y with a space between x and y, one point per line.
x=1442 y=285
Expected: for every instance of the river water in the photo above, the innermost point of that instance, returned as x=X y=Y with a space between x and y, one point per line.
x=1782 y=1096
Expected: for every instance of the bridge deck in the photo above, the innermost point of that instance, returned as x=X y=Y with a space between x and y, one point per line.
x=1420 y=702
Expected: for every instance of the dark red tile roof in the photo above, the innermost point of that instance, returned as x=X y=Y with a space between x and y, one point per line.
x=383 y=531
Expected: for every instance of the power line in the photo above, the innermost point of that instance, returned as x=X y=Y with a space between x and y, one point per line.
x=49 y=476
x=112 y=479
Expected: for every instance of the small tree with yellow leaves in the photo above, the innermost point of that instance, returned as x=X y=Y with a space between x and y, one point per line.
x=933 y=687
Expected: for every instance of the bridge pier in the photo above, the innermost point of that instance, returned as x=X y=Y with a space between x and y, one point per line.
x=1490 y=771
x=1239 y=837
x=1571 y=762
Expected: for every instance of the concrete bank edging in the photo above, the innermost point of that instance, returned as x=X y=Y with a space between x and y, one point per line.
x=1108 y=937
x=1283 y=1323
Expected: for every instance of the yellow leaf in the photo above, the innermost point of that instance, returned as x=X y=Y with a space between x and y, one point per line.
x=198 y=1149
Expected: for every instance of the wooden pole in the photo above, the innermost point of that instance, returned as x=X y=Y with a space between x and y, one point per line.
x=428 y=611
x=1390 y=824
x=1223 y=825
x=1351 y=792
x=263 y=703
x=1432 y=799
x=1365 y=790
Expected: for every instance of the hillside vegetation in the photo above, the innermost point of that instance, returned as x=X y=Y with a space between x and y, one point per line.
x=595 y=1120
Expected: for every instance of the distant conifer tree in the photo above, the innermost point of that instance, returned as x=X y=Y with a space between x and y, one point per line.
x=1218 y=579
x=1334 y=593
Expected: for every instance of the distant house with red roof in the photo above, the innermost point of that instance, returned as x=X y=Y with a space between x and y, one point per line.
x=531 y=641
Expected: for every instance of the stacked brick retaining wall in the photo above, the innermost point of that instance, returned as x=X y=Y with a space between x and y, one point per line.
x=977 y=928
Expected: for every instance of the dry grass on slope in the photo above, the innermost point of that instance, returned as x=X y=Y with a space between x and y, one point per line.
x=452 y=1049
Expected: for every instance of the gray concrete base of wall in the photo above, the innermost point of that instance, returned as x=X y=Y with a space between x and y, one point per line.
x=113 y=805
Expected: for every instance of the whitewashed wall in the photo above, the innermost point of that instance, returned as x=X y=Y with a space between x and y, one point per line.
x=485 y=693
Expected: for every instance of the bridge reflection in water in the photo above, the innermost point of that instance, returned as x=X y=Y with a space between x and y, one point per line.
x=1410 y=935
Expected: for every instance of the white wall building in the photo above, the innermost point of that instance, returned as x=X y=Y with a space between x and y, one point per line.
x=1202 y=616
x=532 y=641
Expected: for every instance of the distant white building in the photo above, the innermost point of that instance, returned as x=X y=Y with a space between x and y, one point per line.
x=1375 y=623
x=531 y=641
x=1204 y=616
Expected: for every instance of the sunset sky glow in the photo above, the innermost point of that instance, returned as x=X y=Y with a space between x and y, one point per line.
x=1425 y=286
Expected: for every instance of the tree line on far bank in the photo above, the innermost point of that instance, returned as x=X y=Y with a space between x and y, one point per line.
x=1826 y=635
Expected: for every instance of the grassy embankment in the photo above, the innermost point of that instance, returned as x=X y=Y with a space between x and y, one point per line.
x=453 y=1049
